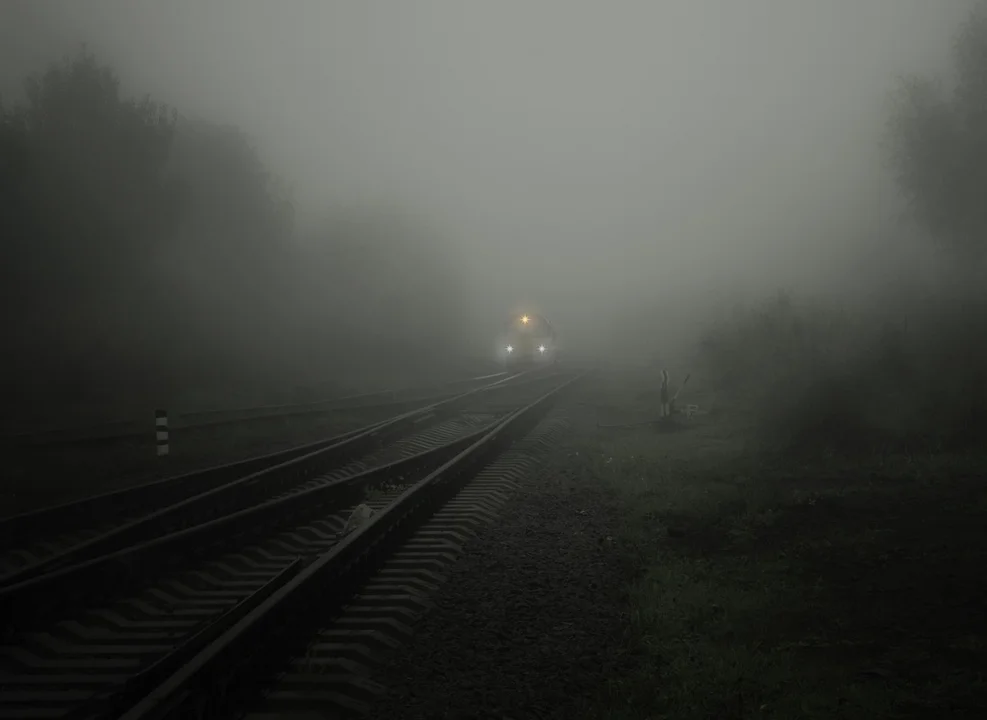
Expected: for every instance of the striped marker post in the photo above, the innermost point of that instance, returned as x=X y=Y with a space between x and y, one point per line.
x=161 y=425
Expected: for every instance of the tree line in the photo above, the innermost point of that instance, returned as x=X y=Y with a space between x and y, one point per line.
x=144 y=253
x=937 y=142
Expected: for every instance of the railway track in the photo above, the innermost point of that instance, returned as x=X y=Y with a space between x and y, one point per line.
x=91 y=638
x=41 y=475
x=40 y=541
x=208 y=420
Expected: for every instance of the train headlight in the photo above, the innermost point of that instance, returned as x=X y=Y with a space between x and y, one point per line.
x=541 y=348
x=510 y=348
x=524 y=319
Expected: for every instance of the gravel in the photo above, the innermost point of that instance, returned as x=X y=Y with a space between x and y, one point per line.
x=528 y=623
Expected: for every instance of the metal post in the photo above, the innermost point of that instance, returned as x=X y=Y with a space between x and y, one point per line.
x=161 y=425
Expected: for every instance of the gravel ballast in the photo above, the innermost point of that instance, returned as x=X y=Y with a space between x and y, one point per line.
x=528 y=620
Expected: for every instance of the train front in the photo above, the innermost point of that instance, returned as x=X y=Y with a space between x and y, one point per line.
x=528 y=342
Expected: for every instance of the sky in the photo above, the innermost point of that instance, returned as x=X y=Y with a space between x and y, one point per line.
x=573 y=151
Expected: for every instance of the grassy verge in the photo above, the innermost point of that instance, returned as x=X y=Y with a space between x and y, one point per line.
x=772 y=589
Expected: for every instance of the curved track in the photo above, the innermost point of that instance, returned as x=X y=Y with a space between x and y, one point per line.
x=97 y=636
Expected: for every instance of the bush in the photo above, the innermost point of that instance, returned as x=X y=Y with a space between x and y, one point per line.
x=813 y=379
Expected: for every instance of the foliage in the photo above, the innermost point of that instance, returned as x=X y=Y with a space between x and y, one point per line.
x=911 y=373
x=815 y=380
x=146 y=254
x=938 y=146
x=83 y=198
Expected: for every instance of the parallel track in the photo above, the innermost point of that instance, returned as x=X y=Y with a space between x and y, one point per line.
x=130 y=430
x=39 y=541
x=152 y=607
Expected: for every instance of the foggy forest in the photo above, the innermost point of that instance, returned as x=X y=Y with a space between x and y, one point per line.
x=224 y=204
x=375 y=202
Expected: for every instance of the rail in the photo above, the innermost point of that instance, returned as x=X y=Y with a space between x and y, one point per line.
x=35 y=599
x=196 y=497
x=261 y=641
x=128 y=430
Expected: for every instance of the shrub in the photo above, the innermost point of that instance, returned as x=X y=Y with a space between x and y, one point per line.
x=814 y=379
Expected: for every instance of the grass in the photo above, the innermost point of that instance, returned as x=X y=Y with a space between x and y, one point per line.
x=770 y=588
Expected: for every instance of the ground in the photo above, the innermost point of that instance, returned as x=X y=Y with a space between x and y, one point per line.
x=650 y=573
x=771 y=588
x=527 y=624
x=657 y=574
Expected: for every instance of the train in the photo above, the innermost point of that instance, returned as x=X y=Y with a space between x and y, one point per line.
x=529 y=340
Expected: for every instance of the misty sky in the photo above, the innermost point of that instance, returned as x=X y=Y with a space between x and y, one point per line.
x=623 y=144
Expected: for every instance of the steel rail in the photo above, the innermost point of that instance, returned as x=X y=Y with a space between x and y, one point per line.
x=256 y=645
x=128 y=430
x=38 y=600
x=34 y=601
x=197 y=497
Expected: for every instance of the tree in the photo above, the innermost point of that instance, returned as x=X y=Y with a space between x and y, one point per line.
x=378 y=285
x=144 y=255
x=137 y=240
x=938 y=146
x=82 y=201
x=231 y=195
x=230 y=251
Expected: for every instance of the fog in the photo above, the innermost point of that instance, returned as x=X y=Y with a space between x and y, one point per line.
x=588 y=159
